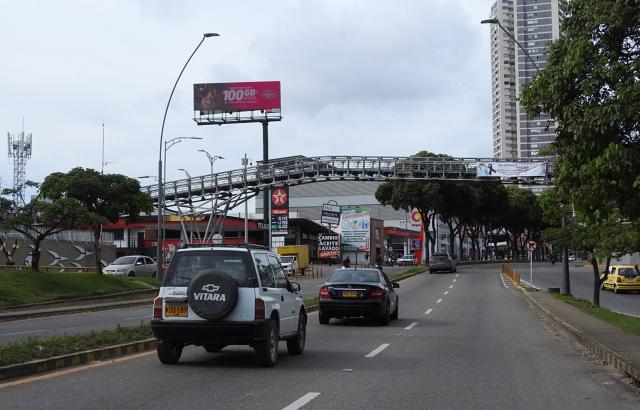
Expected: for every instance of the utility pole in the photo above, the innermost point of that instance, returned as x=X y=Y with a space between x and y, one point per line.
x=245 y=162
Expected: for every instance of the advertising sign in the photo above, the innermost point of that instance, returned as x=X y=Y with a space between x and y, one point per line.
x=511 y=169
x=355 y=227
x=330 y=214
x=233 y=97
x=328 y=246
x=280 y=211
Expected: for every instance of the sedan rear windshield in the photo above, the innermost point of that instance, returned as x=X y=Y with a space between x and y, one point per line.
x=347 y=275
x=185 y=265
x=627 y=272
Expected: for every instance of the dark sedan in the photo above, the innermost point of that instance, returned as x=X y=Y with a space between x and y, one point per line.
x=354 y=292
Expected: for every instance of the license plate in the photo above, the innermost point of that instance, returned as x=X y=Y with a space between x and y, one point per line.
x=349 y=294
x=176 y=310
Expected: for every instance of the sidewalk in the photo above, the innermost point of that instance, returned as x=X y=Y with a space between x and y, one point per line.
x=612 y=344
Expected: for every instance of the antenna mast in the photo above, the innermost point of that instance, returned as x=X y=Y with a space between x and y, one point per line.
x=20 y=150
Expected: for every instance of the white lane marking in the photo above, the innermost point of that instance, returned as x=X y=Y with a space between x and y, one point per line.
x=21 y=333
x=528 y=284
x=439 y=300
x=377 y=350
x=428 y=311
x=457 y=275
x=451 y=287
x=411 y=326
x=302 y=401
x=446 y=293
x=455 y=280
x=503 y=282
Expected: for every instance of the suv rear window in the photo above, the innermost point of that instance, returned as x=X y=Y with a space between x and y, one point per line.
x=185 y=265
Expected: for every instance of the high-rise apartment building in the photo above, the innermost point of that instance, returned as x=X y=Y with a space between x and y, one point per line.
x=534 y=23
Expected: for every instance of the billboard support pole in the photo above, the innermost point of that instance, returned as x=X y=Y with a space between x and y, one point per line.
x=267 y=195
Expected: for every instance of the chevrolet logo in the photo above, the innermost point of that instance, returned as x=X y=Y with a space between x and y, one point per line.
x=210 y=287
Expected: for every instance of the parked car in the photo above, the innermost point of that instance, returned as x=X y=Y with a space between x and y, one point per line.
x=228 y=295
x=622 y=277
x=358 y=292
x=405 y=260
x=441 y=262
x=571 y=258
x=132 y=265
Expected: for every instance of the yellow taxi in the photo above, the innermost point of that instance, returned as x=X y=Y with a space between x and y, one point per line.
x=622 y=277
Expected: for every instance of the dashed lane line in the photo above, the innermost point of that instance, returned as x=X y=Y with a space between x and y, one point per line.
x=455 y=280
x=439 y=300
x=302 y=401
x=446 y=293
x=451 y=287
x=377 y=350
x=411 y=326
x=428 y=311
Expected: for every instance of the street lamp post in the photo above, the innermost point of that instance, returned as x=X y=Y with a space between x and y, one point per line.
x=526 y=53
x=190 y=238
x=160 y=250
x=212 y=159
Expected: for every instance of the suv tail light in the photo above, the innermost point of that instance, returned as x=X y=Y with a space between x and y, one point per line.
x=324 y=293
x=260 y=311
x=376 y=293
x=157 y=308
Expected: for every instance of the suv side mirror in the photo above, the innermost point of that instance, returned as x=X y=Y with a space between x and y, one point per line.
x=294 y=287
x=396 y=285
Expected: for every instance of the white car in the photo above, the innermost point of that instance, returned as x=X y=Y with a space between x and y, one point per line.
x=406 y=260
x=228 y=295
x=132 y=266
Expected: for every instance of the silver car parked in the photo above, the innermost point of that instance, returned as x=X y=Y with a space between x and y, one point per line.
x=132 y=265
x=441 y=262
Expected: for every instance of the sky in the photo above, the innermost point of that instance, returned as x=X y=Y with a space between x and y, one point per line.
x=357 y=78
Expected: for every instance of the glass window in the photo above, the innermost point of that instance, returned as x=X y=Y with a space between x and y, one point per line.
x=349 y=275
x=278 y=273
x=627 y=272
x=264 y=270
x=185 y=265
x=149 y=261
x=124 y=260
x=140 y=261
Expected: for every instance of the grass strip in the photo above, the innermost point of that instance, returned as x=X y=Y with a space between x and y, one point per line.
x=627 y=323
x=19 y=287
x=34 y=348
x=409 y=272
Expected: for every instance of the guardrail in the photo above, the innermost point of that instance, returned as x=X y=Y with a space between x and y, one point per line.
x=511 y=274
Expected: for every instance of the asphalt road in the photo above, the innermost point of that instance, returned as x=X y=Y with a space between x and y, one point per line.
x=463 y=341
x=85 y=322
x=546 y=275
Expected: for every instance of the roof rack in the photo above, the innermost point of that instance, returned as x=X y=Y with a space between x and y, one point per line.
x=226 y=245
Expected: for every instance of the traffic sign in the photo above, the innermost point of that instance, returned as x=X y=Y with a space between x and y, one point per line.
x=531 y=246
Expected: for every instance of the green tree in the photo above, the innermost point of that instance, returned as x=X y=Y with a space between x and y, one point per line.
x=38 y=218
x=106 y=198
x=523 y=219
x=590 y=86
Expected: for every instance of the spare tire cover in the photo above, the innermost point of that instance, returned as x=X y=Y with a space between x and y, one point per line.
x=212 y=294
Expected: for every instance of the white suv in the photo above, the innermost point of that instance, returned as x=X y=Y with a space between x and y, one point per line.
x=228 y=295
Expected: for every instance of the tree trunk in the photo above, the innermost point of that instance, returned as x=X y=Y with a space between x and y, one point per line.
x=596 y=282
x=566 y=280
x=35 y=256
x=96 y=244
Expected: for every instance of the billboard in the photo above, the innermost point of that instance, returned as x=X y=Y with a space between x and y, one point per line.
x=328 y=246
x=355 y=227
x=330 y=214
x=280 y=211
x=511 y=169
x=218 y=98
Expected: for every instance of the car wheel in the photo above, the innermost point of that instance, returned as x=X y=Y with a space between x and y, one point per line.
x=131 y=275
x=394 y=315
x=451 y=269
x=169 y=352
x=267 y=349
x=323 y=319
x=431 y=271
x=386 y=316
x=455 y=269
x=296 y=345
x=214 y=347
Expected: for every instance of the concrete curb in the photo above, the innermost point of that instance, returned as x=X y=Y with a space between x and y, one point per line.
x=59 y=362
x=605 y=353
x=11 y=316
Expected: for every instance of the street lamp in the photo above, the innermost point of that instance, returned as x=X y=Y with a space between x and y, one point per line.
x=496 y=21
x=160 y=249
x=212 y=159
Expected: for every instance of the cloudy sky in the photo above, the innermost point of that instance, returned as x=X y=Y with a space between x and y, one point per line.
x=358 y=77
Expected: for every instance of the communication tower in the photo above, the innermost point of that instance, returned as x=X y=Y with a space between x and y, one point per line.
x=20 y=149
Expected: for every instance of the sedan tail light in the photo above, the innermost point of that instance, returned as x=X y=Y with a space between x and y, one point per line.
x=376 y=293
x=157 y=308
x=324 y=293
